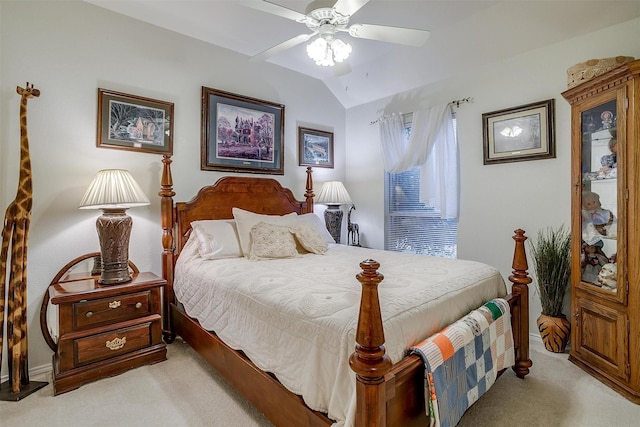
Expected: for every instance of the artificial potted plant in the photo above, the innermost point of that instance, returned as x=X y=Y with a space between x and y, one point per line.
x=551 y=256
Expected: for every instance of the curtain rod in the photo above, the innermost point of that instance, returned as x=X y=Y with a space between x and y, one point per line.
x=455 y=102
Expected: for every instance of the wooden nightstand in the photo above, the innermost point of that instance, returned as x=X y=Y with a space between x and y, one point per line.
x=105 y=330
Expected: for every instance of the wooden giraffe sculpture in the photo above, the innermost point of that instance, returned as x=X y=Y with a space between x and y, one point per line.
x=15 y=230
x=353 y=230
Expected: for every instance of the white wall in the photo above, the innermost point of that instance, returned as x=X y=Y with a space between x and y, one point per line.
x=69 y=50
x=495 y=199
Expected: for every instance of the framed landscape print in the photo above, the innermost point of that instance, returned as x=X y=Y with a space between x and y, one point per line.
x=130 y=122
x=241 y=134
x=521 y=133
x=315 y=148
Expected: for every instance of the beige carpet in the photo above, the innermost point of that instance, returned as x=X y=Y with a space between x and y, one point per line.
x=184 y=391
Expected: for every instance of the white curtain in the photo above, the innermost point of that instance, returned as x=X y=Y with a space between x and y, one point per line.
x=432 y=146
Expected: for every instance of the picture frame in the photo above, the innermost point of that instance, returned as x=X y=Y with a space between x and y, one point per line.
x=315 y=148
x=526 y=132
x=241 y=134
x=134 y=123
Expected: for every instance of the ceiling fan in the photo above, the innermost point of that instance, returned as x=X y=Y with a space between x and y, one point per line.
x=325 y=18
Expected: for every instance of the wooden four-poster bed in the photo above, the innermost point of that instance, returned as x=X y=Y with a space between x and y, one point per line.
x=387 y=394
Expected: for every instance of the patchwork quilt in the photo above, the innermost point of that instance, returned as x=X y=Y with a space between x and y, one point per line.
x=463 y=360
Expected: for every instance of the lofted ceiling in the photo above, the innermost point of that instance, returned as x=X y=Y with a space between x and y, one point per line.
x=464 y=34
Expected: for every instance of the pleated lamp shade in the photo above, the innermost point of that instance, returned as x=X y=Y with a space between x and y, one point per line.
x=113 y=188
x=333 y=193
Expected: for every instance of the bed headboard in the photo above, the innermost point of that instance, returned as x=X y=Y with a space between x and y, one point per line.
x=260 y=195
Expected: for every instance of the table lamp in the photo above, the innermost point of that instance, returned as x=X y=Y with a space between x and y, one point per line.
x=333 y=194
x=114 y=191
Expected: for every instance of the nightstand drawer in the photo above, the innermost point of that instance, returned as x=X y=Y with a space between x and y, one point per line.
x=113 y=343
x=109 y=310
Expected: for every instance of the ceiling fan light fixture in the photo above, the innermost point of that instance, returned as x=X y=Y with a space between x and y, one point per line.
x=341 y=50
x=328 y=52
x=317 y=49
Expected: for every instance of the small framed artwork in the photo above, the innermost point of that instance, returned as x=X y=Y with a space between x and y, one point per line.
x=315 y=148
x=130 y=122
x=521 y=133
x=241 y=134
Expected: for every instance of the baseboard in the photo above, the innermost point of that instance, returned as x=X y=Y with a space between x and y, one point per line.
x=534 y=339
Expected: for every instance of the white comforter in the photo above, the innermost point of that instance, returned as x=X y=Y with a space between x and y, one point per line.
x=297 y=317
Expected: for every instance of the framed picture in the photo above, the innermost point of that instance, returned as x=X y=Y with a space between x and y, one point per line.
x=130 y=122
x=522 y=133
x=315 y=148
x=241 y=134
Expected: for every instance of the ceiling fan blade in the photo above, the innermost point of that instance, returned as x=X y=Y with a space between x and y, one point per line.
x=349 y=7
x=406 y=36
x=282 y=47
x=276 y=9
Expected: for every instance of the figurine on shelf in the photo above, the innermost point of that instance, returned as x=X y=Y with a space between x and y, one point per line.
x=607 y=119
x=607 y=227
x=609 y=162
x=592 y=260
x=607 y=277
x=593 y=213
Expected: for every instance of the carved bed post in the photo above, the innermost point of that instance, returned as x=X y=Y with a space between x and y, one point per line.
x=309 y=193
x=370 y=362
x=166 y=207
x=520 y=280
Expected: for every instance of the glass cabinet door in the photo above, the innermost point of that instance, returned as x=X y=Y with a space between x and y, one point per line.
x=600 y=167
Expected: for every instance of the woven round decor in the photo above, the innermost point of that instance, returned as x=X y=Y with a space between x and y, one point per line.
x=555 y=332
x=594 y=67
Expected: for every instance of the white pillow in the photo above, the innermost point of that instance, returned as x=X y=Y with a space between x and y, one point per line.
x=318 y=225
x=310 y=238
x=272 y=241
x=217 y=238
x=245 y=221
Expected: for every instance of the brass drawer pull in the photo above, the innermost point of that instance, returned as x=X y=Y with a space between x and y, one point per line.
x=116 y=344
x=89 y=313
x=138 y=305
x=114 y=304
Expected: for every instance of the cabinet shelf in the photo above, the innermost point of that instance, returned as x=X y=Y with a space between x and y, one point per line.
x=589 y=179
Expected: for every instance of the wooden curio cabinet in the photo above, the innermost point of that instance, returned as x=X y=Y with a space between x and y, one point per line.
x=605 y=208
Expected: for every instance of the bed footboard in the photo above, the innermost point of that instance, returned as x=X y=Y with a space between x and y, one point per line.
x=394 y=396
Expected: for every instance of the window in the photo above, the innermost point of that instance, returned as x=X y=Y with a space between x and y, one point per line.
x=411 y=226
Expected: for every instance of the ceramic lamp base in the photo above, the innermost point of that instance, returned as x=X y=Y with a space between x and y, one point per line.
x=333 y=220
x=114 y=229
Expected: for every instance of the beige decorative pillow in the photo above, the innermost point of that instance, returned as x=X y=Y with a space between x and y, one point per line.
x=245 y=221
x=310 y=238
x=272 y=241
